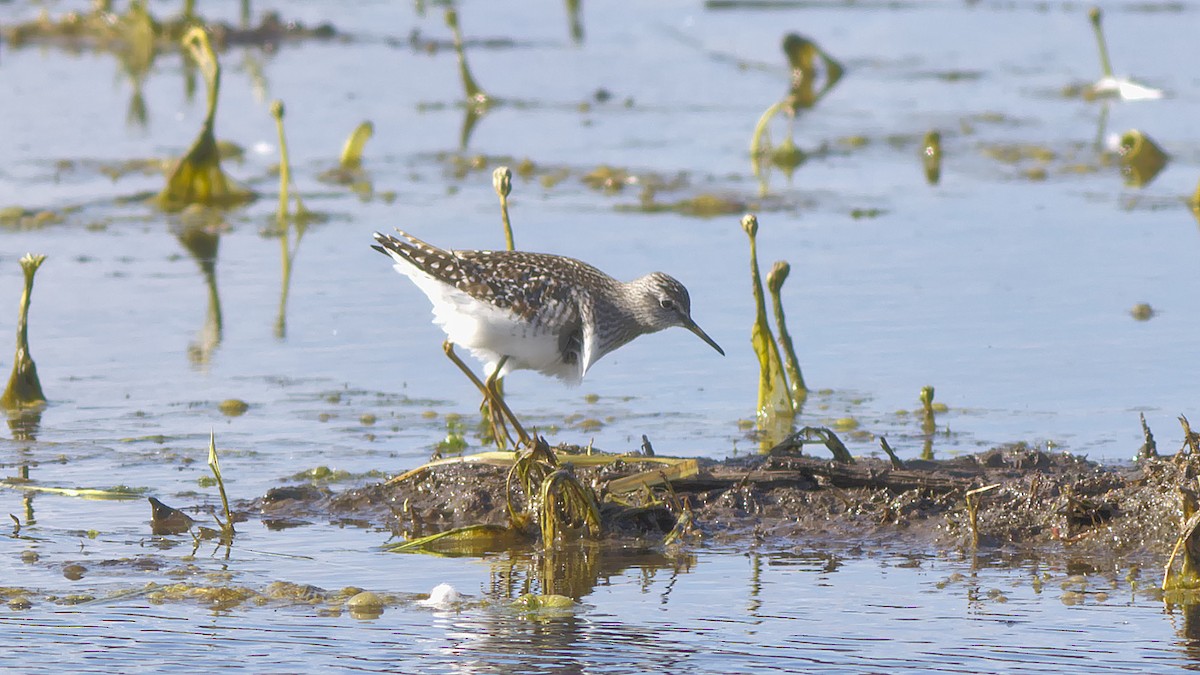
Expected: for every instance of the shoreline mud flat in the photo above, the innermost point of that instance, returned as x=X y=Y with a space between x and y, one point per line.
x=1014 y=498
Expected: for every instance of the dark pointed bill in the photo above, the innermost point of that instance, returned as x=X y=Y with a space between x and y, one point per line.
x=691 y=325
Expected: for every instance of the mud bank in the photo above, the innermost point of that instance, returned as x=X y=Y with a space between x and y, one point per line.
x=1022 y=498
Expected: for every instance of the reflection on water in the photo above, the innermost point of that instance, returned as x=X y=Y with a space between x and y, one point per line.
x=477 y=101
x=24 y=423
x=200 y=238
x=576 y=570
x=767 y=611
x=287 y=257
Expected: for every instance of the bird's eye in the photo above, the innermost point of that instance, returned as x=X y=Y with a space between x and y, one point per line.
x=667 y=304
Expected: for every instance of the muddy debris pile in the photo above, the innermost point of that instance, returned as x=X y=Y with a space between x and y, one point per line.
x=1012 y=497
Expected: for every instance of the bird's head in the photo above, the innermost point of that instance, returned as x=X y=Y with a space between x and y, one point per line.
x=664 y=302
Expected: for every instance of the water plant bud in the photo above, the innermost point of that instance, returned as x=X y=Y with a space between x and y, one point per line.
x=778 y=274
x=750 y=224
x=502 y=181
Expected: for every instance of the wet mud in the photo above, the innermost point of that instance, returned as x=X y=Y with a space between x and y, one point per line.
x=1023 y=500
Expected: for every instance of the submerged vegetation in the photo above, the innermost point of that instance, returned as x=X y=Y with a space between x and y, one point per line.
x=814 y=73
x=24 y=389
x=198 y=177
x=781 y=387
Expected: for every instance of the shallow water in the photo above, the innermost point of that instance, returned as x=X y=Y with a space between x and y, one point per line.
x=725 y=611
x=1010 y=295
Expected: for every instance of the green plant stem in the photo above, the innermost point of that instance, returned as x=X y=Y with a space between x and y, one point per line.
x=24 y=387
x=1095 y=15
x=285 y=169
x=227 y=526
x=779 y=273
x=770 y=365
x=760 y=129
x=502 y=183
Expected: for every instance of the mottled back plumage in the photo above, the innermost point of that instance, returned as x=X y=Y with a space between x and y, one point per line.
x=548 y=313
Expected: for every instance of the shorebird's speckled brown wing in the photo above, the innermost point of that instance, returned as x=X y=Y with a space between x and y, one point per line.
x=543 y=312
x=534 y=286
x=540 y=291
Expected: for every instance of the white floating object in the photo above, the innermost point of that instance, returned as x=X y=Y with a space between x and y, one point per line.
x=443 y=596
x=1125 y=89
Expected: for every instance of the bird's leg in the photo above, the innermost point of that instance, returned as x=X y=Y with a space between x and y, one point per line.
x=495 y=418
x=499 y=433
x=496 y=403
x=496 y=394
x=495 y=422
x=491 y=412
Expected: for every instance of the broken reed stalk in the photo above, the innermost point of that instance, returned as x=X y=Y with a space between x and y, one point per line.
x=1191 y=442
x=24 y=388
x=227 y=526
x=796 y=441
x=771 y=401
x=973 y=502
x=775 y=278
x=887 y=449
x=1149 y=447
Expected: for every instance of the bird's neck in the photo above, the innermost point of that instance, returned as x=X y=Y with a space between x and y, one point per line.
x=622 y=316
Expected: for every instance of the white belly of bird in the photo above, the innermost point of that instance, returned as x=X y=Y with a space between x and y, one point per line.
x=490 y=332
